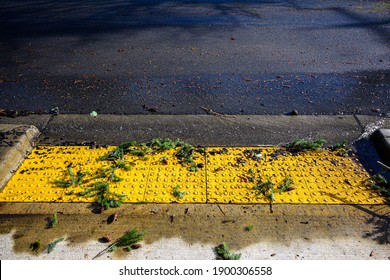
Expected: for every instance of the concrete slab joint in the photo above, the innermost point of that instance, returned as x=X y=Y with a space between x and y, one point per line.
x=16 y=142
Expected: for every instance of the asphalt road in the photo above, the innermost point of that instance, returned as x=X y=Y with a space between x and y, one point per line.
x=182 y=57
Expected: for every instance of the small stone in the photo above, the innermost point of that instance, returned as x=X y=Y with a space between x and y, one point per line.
x=112 y=218
x=93 y=114
x=136 y=246
x=372 y=254
x=294 y=113
x=105 y=239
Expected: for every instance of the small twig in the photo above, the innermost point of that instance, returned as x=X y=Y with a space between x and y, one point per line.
x=384 y=165
x=211 y=112
x=221 y=210
x=106 y=250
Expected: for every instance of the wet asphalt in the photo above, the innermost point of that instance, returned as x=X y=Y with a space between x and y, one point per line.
x=186 y=57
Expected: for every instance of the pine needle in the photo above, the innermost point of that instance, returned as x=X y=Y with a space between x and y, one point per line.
x=127 y=240
x=52 y=245
x=53 y=222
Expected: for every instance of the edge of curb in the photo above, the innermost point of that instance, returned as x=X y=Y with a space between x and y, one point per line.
x=12 y=156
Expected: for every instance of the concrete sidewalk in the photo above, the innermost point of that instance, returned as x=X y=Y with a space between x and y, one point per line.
x=188 y=231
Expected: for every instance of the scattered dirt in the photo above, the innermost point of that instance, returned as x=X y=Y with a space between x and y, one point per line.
x=202 y=224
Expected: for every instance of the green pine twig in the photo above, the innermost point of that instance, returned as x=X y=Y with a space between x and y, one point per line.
x=224 y=252
x=53 y=244
x=54 y=221
x=302 y=145
x=127 y=240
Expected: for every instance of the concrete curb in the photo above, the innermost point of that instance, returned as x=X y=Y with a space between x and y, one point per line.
x=381 y=140
x=232 y=130
x=16 y=141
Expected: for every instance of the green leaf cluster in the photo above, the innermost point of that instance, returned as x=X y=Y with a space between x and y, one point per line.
x=178 y=193
x=286 y=185
x=185 y=154
x=249 y=228
x=339 y=148
x=267 y=189
x=224 y=252
x=302 y=145
x=379 y=183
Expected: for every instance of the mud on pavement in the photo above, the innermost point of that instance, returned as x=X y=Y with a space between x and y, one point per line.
x=187 y=231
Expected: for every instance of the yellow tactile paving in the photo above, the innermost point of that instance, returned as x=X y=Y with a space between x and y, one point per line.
x=224 y=175
x=337 y=180
x=166 y=174
x=35 y=179
x=231 y=175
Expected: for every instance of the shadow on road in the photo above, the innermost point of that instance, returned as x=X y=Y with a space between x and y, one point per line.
x=369 y=158
x=88 y=18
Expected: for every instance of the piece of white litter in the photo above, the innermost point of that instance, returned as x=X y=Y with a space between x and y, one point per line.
x=93 y=114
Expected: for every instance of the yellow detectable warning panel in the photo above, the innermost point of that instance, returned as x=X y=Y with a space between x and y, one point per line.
x=171 y=181
x=220 y=175
x=35 y=180
x=273 y=175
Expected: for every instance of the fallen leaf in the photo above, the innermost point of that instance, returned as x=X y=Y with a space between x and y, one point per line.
x=105 y=239
x=136 y=246
x=112 y=218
